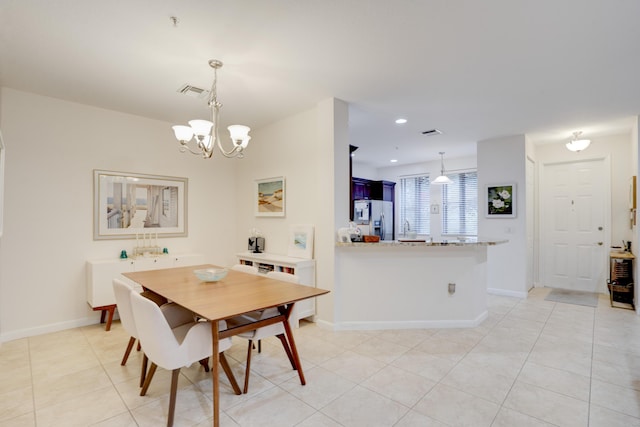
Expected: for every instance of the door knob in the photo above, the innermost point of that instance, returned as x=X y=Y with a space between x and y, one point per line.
x=600 y=243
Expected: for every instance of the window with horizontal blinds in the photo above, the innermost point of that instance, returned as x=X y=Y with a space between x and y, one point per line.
x=460 y=204
x=414 y=203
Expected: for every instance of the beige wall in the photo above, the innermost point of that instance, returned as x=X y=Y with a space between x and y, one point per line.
x=303 y=148
x=52 y=148
x=503 y=161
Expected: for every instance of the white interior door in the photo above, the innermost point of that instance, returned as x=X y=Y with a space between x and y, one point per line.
x=573 y=229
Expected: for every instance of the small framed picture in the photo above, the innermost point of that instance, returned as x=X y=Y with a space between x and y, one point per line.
x=270 y=197
x=301 y=241
x=501 y=201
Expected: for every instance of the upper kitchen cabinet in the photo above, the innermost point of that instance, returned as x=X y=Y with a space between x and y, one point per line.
x=360 y=188
x=383 y=190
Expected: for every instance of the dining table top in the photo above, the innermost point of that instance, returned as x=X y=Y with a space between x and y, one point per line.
x=236 y=294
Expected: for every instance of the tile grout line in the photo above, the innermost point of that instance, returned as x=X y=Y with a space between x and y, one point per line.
x=525 y=361
x=104 y=369
x=33 y=386
x=593 y=346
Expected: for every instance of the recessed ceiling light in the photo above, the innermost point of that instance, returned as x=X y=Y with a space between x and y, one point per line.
x=401 y=121
x=394 y=160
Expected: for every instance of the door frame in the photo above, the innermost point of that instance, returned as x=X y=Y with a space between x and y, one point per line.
x=606 y=166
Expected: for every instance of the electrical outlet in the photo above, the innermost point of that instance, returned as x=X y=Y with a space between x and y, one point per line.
x=452 y=288
x=435 y=209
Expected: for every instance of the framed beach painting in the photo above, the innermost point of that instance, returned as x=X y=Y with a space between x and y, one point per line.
x=501 y=201
x=126 y=205
x=270 y=197
x=301 y=241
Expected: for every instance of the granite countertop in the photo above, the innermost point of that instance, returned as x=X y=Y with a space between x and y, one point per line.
x=423 y=243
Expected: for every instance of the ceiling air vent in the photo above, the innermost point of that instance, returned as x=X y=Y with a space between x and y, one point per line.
x=432 y=132
x=192 y=91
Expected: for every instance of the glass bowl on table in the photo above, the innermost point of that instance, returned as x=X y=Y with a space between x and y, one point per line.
x=211 y=274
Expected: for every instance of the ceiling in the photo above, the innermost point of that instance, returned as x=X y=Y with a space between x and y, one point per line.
x=474 y=70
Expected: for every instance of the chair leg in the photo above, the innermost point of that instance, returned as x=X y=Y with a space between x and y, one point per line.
x=143 y=370
x=175 y=374
x=147 y=381
x=259 y=346
x=229 y=372
x=287 y=350
x=132 y=341
x=205 y=364
x=248 y=368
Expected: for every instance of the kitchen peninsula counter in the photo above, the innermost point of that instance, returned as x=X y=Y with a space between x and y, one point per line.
x=412 y=284
x=423 y=243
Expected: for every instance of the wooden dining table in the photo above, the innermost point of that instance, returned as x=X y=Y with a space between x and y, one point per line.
x=238 y=293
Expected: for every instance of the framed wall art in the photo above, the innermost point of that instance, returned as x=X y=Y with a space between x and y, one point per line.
x=127 y=204
x=301 y=241
x=501 y=201
x=270 y=197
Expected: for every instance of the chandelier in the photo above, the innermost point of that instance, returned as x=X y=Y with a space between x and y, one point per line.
x=577 y=144
x=205 y=132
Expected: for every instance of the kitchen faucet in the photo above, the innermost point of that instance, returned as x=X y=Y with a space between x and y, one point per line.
x=407 y=226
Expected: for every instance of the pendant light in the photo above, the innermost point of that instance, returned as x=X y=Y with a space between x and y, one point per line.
x=442 y=179
x=577 y=144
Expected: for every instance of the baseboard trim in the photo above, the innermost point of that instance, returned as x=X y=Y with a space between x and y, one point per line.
x=412 y=324
x=46 y=329
x=507 y=293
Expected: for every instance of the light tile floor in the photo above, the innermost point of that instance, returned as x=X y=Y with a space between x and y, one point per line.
x=531 y=363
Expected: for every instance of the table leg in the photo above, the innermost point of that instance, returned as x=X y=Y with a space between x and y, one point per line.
x=215 y=338
x=292 y=345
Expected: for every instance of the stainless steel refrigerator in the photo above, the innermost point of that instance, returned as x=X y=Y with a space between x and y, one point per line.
x=374 y=217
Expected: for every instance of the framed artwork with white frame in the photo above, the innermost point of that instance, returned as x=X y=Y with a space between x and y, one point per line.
x=126 y=204
x=301 y=241
x=270 y=197
x=501 y=201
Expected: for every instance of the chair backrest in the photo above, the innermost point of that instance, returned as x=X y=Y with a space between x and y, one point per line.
x=122 y=291
x=172 y=348
x=154 y=331
x=285 y=277
x=245 y=268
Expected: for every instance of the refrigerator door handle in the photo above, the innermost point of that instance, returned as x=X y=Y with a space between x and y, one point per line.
x=382 y=226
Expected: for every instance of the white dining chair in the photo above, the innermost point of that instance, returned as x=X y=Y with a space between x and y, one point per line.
x=276 y=329
x=174 y=314
x=174 y=348
x=245 y=268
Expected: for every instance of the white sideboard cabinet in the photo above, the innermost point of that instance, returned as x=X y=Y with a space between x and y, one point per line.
x=100 y=274
x=305 y=269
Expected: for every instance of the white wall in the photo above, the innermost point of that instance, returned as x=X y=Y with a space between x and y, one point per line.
x=52 y=148
x=303 y=148
x=634 y=161
x=503 y=161
x=365 y=171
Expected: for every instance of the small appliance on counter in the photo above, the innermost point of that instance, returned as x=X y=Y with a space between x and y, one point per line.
x=256 y=245
x=255 y=241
